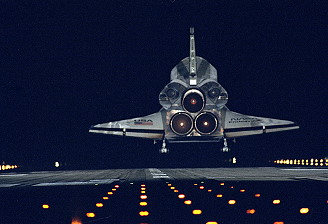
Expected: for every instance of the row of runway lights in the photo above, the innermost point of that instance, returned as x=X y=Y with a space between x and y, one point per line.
x=303 y=162
x=8 y=167
x=77 y=220
x=143 y=203
x=230 y=202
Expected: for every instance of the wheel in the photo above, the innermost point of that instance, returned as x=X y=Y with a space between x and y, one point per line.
x=163 y=150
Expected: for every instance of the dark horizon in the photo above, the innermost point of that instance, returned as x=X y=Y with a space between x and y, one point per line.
x=67 y=66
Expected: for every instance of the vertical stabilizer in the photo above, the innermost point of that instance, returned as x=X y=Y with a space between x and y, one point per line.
x=192 y=59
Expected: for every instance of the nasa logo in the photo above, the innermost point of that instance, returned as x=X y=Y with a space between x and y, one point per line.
x=243 y=119
x=143 y=122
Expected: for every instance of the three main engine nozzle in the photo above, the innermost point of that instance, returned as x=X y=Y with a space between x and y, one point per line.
x=182 y=123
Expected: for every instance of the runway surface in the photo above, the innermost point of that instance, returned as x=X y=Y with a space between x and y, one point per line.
x=91 y=177
x=152 y=195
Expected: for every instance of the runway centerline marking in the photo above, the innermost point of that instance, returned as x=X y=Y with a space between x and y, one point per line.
x=156 y=173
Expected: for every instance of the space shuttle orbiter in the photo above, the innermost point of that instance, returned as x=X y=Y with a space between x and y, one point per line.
x=193 y=110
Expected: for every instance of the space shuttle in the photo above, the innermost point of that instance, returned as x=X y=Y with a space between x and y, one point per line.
x=193 y=110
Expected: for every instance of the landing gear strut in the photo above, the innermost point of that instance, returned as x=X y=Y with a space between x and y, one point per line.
x=164 y=149
x=225 y=147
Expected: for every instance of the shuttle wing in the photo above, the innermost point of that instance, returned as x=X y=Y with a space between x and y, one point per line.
x=150 y=127
x=238 y=125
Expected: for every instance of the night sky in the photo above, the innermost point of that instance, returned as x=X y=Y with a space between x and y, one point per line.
x=67 y=65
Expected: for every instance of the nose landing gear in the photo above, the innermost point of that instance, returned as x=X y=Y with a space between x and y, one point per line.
x=164 y=150
x=225 y=146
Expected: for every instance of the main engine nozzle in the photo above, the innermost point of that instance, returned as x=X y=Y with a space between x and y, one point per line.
x=181 y=123
x=206 y=123
x=193 y=101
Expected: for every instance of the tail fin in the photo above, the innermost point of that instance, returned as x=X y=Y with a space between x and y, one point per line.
x=192 y=59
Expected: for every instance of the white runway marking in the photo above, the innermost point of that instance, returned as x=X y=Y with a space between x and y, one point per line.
x=13 y=175
x=306 y=169
x=156 y=173
x=8 y=185
x=72 y=183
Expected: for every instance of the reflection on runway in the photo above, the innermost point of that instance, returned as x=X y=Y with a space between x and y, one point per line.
x=223 y=195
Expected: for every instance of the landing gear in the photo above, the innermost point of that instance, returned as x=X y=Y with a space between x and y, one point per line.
x=225 y=147
x=164 y=149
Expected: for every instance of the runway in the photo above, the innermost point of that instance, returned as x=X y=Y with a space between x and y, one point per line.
x=91 y=177
x=153 y=195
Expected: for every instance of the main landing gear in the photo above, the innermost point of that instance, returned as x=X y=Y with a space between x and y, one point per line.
x=164 y=149
x=225 y=146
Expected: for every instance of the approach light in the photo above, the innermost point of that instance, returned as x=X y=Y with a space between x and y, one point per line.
x=188 y=202
x=276 y=201
x=232 y=202
x=304 y=210
x=143 y=196
x=99 y=205
x=144 y=213
x=250 y=211
x=181 y=196
x=45 y=206
x=76 y=220
x=197 y=212
x=90 y=215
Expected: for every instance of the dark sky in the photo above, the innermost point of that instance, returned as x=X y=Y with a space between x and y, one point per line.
x=66 y=65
